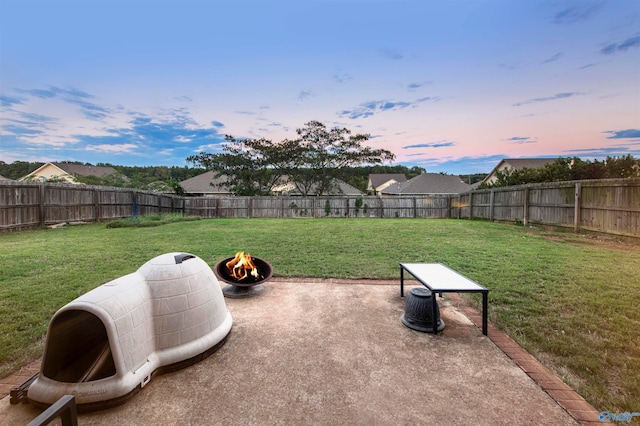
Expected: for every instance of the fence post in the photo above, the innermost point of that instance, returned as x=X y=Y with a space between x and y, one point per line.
x=470 y=205
x=96 y=205
x=577 y=207
x=415 y=208
x=41 y=210
x=491 y=198
x=525 y=208
x=135 y=208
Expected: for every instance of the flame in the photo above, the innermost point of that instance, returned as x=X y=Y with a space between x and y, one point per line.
x=241 y=266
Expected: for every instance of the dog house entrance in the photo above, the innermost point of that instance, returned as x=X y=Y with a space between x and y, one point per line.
x=81 y=352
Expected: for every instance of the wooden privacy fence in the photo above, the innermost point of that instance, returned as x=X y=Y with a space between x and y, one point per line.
x=609 y=206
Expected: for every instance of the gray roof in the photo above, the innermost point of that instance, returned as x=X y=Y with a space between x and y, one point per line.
x=201 y=184
x=378 y=179
x=429 y=183
x=4 y=178
x=344 y=189
x=529 y=163
x=518 y=164
x=83 y=170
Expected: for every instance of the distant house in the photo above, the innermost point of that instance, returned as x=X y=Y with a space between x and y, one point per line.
x=380 y=181
x=343 y=188
x=66 y=172
x=516 y=164
x=3 y=178
x=206 y=185
x=201 y=186
x=428 y=184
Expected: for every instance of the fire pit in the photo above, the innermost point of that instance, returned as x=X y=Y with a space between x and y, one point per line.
x=244 y=273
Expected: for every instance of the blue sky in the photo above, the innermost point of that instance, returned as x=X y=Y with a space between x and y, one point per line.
x=451 y=86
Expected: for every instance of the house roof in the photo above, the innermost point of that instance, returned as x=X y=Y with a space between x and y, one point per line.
x=378 y=179
x=68 y=171
x=529 y=163
x=428 y=183
x=518 y=164
x=344 y=189
x=4 y=178
x=202 y=184
x=75 y=169
x=85 y=170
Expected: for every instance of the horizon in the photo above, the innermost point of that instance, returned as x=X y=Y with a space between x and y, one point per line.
x=451 y=87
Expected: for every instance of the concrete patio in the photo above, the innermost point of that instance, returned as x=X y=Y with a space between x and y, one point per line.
x=327 y=352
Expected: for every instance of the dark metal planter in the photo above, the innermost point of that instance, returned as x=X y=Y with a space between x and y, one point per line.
x=417 y=311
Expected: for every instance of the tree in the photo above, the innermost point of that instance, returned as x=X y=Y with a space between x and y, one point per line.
x=312 y=162
x=248 y=165
x=625 y=166
x=320 y=156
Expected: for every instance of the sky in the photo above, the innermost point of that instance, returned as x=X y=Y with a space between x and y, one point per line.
x=451 y=86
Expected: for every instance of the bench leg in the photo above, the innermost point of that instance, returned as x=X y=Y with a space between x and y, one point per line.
x=434 y=306
x=401 y=281
x=484 y=312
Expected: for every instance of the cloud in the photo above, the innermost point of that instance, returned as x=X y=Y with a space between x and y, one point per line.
x=602 y=153
x=623 y=134
x=574 y=14
x=416 y=85
x=90 y=110
x=82 y=127
x=623 y=46
x=341 y=77
x=391 y=54
x=584 y=67
x=440 y=144
x=553 y=58
x=125 y=148
x=462 y=165
x=304 y=95
x=8 y=101
x=521 y=140
x=549 y=98
x=33 y=118
x=18 y=130
x=71 y=96
x=54 y=91
x=367 y=109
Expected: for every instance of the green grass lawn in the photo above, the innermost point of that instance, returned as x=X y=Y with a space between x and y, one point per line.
x=571 y=300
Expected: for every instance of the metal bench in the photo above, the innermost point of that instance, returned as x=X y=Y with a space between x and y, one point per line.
x=440 y=279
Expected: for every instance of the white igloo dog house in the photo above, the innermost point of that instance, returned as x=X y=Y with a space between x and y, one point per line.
x=105 y=345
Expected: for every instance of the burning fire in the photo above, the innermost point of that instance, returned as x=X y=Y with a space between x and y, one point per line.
x=241 y=266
